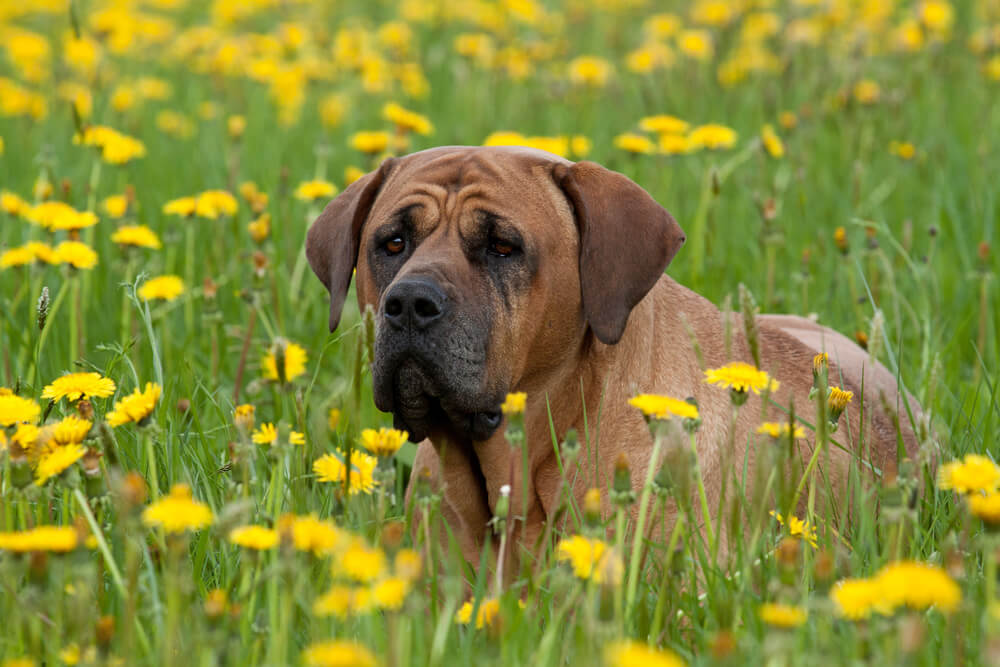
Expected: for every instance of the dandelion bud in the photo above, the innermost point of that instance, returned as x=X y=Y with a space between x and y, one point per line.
x=104 y=631
x=622 y=494
x=836 y=401
x=392 y=535
x=243 y=417
x=133 y=490
x=821 y=370
x=215 y=604
x=862 y=339
x=788 y=552
x=260 y=263
x=840 y=239
x=85 y=409
x=570 y=447
x=43 y=308
x=183 y=405
x=592 y=507
x=502 y=509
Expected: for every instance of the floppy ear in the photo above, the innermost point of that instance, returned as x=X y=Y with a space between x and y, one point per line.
x=626 y=241
x=333 y=239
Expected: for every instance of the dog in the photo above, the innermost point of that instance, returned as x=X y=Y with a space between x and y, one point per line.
x=494 y=270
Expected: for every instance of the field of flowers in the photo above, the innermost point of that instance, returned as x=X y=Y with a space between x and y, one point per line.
x=177 y=424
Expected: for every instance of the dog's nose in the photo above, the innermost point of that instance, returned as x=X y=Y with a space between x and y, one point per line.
x=416 y=302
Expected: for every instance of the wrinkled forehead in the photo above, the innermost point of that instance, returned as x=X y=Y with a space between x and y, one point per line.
x=514 y=182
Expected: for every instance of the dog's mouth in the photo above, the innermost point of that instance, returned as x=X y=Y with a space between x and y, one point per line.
x=420 y=407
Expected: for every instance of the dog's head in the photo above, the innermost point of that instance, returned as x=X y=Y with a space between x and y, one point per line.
x=486 y=267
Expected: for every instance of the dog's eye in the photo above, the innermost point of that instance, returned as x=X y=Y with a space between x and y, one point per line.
x=395 y=245
x=500 y=248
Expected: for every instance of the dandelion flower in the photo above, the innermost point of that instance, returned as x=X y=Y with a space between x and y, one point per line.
x=856 y=599
x=664 y=124
x=409 y=121
x=742 y=377
x=590 y=71
x=18 y=256
x=296 y=438
x=165 y=288
x=313 y=190
x=361 y=563
x=384 y=442
x=514 y=404
x=178 y=512
x=138 y=236
x=43 y=538
x=135 y=407
x=986 y=507
x=781 y=430
x=267 y=434
x=295 y=361
x=635 y=143
x=798 y=528
x=485 y=616
x=14 y=409
x=369 y=142
x=257 y=538
x=628 y=653
x=57 y=215
x=243 y=416
x=330 y=468
x=76 y=254
x=407 y=564
x=184 y=207
x=72 y=430
x=337 y=654
x=657 y=406
x=713 y=136
x=772 y=142
x=115 y=206
x=213 y=204
x=782 y=615
x=75 y=386
x=918 y=586
x=867 y=92
x=260 y=228
x=56 y=461
x=338 y=601
x=11 y=204
x=590 y=559
x=974 y=474
x=389 y=593
x=310 y=533
x=839 y=399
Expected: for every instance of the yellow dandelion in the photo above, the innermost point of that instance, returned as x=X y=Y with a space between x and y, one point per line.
x=590 y=71
x=985 y=507
x=337 y=654
x=295 y=361
x=782 y=615
x=139 y=236
x=257 y=538
x=75 y=386
x=12 y=204
x=798 y=528
x=741 y=377
x=856 y=599
x=867 y=92
x=115 y=206
x=178 y=512
x=57 y=215
x=330 y=468
x=296 y=438
x=486 y=615
x=974 y=474
x=14 y=409
x=267 y=434
x=184 y=207
x=338 y=601
x=515 y=403
x=56 y=461
x=657 y=406
x=390 y=593
x=407 y=564
x=59 y=539
x=664 y=124
x=369 y=142
x=18 y=256
x=76 y=254
x=695 y=44
x=313 y=190
x=384 y=442
x=409 y=121
x=260 y=228
x=778 y=430
x=312 y=534
x=590 y=559
x=135 y=407
x=243 y=416
x=918 y=586
x=71 y=430
x=904 y=150
x=635 y=143
x=713 y=136
x=361 y=563
x=165 y=288
x=580 y=146
x=213 y=204
x=629 y=653
x=333 y=419
x=352 y=173
x=772 y=142
x=839 y=399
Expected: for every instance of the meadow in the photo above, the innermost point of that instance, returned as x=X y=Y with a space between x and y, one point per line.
x=193 y=470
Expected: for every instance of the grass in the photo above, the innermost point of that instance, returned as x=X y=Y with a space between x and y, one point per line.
x=920 y=258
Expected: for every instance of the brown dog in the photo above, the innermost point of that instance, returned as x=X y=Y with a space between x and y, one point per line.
x=495 y=270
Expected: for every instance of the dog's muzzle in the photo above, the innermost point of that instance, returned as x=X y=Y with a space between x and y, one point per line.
x=430 y=363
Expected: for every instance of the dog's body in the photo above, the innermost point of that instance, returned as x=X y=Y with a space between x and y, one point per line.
x=496 y=270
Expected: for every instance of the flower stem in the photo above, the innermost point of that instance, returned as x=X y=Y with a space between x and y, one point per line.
x=702 y=497
x=640 y=526
x=154 y=482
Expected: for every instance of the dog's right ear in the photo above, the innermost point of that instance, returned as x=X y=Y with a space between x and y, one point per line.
x=333 y=239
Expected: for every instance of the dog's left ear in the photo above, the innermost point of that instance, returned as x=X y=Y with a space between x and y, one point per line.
x=333 y=239
x=626 y=241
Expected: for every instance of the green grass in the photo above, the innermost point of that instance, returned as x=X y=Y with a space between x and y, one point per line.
x=923 y=268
